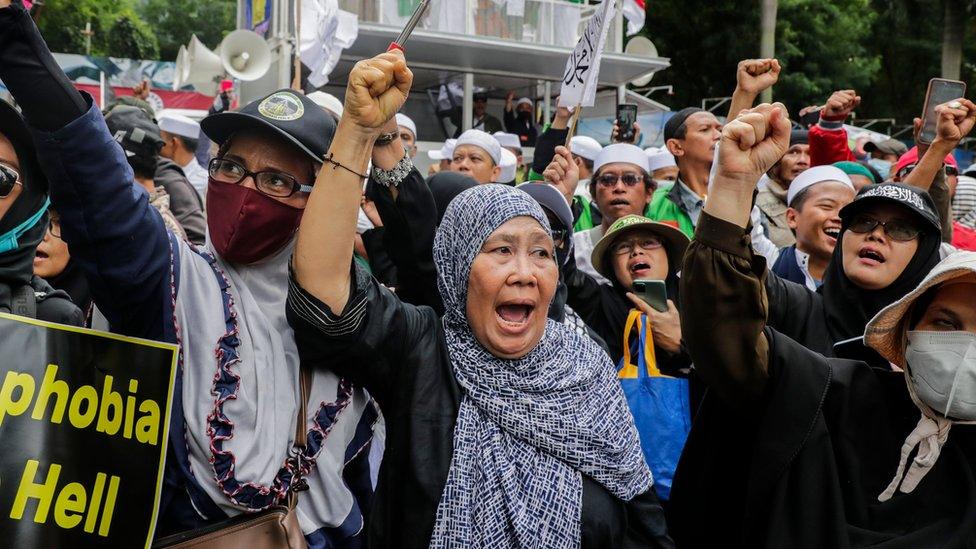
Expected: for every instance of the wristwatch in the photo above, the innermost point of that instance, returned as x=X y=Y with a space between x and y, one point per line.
x=386 y=138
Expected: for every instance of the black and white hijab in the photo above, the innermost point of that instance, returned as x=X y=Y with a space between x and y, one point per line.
x=527 y=429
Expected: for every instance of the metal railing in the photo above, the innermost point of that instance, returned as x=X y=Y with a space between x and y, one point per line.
x=544 y=22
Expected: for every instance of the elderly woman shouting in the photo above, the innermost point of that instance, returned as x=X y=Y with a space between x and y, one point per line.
x=237 y=396
x=504 y=429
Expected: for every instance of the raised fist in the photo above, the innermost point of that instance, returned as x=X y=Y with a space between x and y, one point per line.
x=753 y=142
x=956 y=119
x=756 y=75
x=563 y=173
x=841 y=104
x=377 y=89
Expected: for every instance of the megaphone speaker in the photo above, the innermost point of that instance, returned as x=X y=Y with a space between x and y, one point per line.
x=180 y=67
x=245 y=55
x=202 y=67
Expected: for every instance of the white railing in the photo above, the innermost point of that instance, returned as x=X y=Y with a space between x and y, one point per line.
x=545 y=22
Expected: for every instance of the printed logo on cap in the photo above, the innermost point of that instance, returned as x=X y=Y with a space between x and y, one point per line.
x=627 y=222
x=897 y=193
x=282 y=106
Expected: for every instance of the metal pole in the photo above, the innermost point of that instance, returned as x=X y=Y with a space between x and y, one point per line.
x=101 y=90
x=547 y=109
x=297 y=83
x=240 y=14
x=467 y=108
x=284 y=48
x=767 y=44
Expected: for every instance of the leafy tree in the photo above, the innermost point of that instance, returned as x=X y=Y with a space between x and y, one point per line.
x=62 y=23
x=131 y=37
x=174 y=21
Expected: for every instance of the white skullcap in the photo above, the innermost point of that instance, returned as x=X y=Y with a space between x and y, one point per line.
x=483 y=141
x=328 y=102
x=508 y=165
x=812 y=176
x=508 y=140
x=525 y=101
x=659 y=159
x=177 y=124
x=446 y=151
x=621 y=152
x=404 y=121
x=585 y=147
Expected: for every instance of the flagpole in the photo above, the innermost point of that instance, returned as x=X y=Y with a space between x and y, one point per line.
x=572 y=125
x=297 y=81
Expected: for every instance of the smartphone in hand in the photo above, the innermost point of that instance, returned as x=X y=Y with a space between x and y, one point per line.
x=652 y=292
x=626 y=116
x=940 y=91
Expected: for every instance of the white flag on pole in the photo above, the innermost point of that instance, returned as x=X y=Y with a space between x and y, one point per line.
x=326 y=31
x=583 y=66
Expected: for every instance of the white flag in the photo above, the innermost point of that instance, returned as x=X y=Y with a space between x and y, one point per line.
x=326 y=31
x=635 y=13
x=583 y=66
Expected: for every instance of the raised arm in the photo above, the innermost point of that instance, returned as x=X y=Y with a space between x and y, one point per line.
x=722 y=294
x=115 y=236
x=377 y=89
x=828 y=138
x=752 y=77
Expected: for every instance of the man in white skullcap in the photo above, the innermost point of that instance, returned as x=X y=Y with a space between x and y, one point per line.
x=520 y=119
x=662 y=165
x=180 y=134
x=814 y=200
x=329 y=102
x=509 y=167
x=478 y=155
x=621 y=186
x=408 y=134
x=511 y=143
x=443 y=156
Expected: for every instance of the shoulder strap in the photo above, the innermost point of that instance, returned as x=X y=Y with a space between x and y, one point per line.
x=305 y=386
x=23 y=302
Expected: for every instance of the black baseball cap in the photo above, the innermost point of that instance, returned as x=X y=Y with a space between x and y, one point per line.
x=287 y=113
x=906 y=196
x=14 y=127
x=135 y=130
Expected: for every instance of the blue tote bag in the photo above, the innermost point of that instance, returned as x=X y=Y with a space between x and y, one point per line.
x=659 y=403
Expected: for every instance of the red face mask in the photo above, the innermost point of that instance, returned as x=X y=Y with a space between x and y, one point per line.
x=247 y=226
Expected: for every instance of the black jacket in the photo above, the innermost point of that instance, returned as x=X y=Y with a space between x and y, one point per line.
x=184 y=201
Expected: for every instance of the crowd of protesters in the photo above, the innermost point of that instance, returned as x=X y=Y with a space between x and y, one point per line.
x=753 y=336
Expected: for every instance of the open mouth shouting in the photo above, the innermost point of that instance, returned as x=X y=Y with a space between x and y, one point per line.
x=639 y=268
x=870 y=256
x=833 y=233
x=514 y=316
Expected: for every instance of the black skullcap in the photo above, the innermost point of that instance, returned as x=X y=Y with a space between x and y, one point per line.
x=674 y=123
x=799 y=137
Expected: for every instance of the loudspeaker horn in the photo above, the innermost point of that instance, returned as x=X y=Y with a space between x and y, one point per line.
x=641 y=46
x=245 y=55
x=202 y=68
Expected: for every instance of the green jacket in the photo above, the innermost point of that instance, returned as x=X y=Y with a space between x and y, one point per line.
x=664 y=207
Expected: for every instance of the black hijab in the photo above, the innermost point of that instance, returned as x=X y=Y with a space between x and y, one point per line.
x=445 y=186
x=17 y=265
x=848 y=307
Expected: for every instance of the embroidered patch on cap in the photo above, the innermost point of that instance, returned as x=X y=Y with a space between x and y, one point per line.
x=897 y=193
x=282 y=106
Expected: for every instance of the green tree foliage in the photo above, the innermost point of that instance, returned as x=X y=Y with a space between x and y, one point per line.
x=174 y=21
x=823 y=46
x=62 y=23
x=131 y=37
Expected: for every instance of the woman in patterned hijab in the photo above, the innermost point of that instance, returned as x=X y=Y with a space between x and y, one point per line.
x=504 y=428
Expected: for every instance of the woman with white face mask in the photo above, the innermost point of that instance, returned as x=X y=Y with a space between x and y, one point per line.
x=792 y=449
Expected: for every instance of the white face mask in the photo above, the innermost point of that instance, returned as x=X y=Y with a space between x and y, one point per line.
x=943 y=370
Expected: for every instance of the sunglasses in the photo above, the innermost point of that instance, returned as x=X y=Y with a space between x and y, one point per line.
x=610 y=179
x=8 y=178
x=896 y=229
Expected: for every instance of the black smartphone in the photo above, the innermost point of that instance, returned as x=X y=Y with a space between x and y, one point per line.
x=653 y=292
x=810 y=118
x=855 y=349
x=940 y=91
x=626 y=116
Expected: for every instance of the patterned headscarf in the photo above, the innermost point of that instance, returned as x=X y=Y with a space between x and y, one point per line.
x=527 y=428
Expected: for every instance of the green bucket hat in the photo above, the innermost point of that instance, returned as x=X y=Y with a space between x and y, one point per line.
x=675 y=242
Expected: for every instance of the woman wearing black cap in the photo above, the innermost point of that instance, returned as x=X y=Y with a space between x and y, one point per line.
x=23 y=225
x=792 y=449
x=237 y=393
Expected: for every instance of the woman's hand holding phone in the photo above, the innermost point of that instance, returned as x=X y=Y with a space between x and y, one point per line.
x=666 y=327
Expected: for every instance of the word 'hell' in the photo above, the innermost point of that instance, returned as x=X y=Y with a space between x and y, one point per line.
x=71 y=503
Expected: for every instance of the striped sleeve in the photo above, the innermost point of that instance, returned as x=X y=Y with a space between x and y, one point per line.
x=319 y=315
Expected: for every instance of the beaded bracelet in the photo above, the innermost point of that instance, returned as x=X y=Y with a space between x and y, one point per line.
x=336 y=165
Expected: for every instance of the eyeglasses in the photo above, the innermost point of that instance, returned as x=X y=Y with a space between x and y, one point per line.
x=626 y=247
x=275 y=184
x=54 y=226
x=8 y=178
x=898 y=230
x=610 y=179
